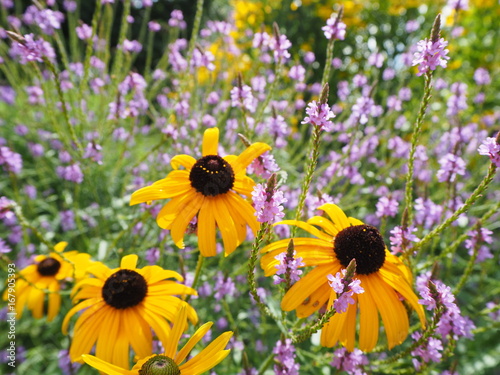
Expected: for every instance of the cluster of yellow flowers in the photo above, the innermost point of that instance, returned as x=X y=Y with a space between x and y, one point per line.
x=122 y=308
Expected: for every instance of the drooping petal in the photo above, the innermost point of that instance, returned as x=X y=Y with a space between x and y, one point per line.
x=183 y=218
x=336 y=214
x=250 y=154
x=173 y=208
x=185 y=161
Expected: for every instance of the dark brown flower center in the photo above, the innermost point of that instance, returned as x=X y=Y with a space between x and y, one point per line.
x=48 y=267
x=160 y=365
x=212 y=175
x=363 y=243
x=124 y=288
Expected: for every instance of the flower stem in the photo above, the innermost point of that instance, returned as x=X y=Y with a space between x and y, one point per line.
x=414 y=142
x=199 y=266
x=261 y=234
x=316 y=137
x=468 y=203
x=313 y=327
x=25 y=224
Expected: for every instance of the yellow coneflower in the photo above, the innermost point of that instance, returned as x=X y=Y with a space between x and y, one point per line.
x=207 y=187
x=44 y=278
x=121 y=307
x=385 y=279
x=171 y=362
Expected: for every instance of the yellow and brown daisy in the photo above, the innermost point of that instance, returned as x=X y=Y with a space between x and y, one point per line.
x=121 y=307
x=44 y=277
x=385 y=279
x=207 y=187
x=171 y=362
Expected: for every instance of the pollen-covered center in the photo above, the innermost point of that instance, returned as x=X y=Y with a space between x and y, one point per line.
x=363 y=243
x=159 y=365
x=212 y=175
x=124 y=288
x=48 y=267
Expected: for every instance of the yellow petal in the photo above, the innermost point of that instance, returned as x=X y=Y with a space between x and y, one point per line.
x=105 y=367
x=60 y=246
x=368 y=318
x=54 y=301
x=193 y=340
x=225 y=224
x=179 y=225
x=307 y=227
x=180 y=325
x=325 y=224
x=175 y=184
x=206 y=229
x=173 y=208
x=210 y=142
x=317 y=300
x=243 y=185
x=185 y=161
x=304 y=287
x=337 y=216
x=129 y=262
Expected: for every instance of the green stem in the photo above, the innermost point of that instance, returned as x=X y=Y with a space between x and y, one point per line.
x=194 y=34
x=313 y=327
x=25 y=224
x=316 y=137
x=468 y=203
x=64 y=106
x=199 y=266
x=264 y=228
x=414 y=143
x=117 y=66
x=328 y=62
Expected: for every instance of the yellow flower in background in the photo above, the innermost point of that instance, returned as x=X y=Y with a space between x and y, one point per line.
x=385 y=279
x=208 y=188
x=44 y=278
x=171 y=361
x=121 y=307
x=247 y=14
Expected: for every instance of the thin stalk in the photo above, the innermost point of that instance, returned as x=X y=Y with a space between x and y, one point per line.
x=464 y=208
x=199 y=266
x=194 y=34
x=414 y=143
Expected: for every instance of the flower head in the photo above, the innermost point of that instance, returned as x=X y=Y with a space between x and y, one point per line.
x=173 y=361
x=335 y=28
x=491 y=148
x=124 y=305
x=44 y=277
x=207 y=188
x=430 y=55
x=385 y=279
x=319 y=114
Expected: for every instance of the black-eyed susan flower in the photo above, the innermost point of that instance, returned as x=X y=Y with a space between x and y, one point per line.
x=44 y=277
x=121 y=307
x=207 y=187
x=172 y=362
x=384 y=278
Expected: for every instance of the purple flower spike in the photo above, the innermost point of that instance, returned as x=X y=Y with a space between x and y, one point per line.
x=430 y=55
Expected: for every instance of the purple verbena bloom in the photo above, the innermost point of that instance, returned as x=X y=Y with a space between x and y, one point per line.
x=411 y=26
x=376 y=59
x=268 y=206
x=280 y=45
x=4 y=248
x=430 y=55
x=428 y=351
x=351 y=362
x=387 y=207
x=132 y=46
x=177 y=19
x=451 y=166
x=458 y=100
x=334 y=29
x=65 y=363
x=93 y=152
x=152 y=255
x=363 y=109
x=494 y=315
x=319 y=115
x=458 y=4
x=476 y=237
x=224 y=286
x=5 y=209
x=482 y=77
x=344 y=291
x=264 y=166
x=32 y=49
x=11 y=161
x=154 y=26
x=242 y=97
x=84 y=31
x=285 y=357
x=401 y=238
x=46 y=19
x=67 y=220
x=71 y=173
x=30 y=191
x=491 y=148
x=286 y=264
